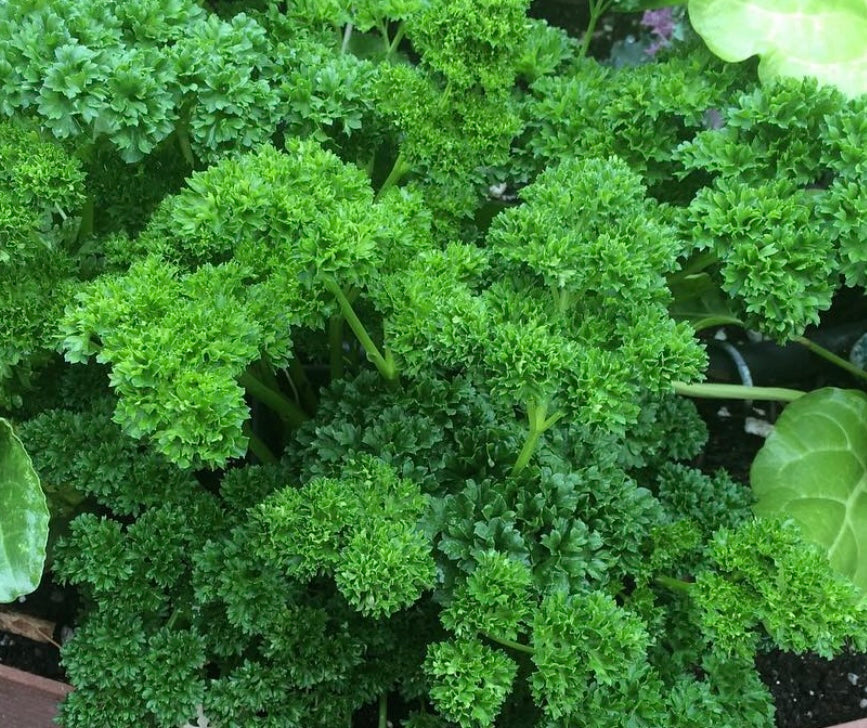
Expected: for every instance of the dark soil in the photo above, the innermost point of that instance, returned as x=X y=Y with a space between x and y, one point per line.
x=810 y=692
x=51 y=603
x=38 y=658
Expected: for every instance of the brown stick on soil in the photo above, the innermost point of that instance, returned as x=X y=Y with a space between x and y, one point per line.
x=24 y=625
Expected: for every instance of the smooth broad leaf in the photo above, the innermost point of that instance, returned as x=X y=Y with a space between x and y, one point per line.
x=797 y=38
x=813 y=468
x=23 y=519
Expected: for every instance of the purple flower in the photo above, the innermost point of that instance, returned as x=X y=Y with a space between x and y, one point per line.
x=661 y=24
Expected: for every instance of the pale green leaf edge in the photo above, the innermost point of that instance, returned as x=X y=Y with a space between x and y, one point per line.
x=824 y=39
x=787 y=452
x=24 y=519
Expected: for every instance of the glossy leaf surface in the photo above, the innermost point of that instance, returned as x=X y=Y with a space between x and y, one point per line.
x=23 y=519
x=813 y=468
x=796 y=38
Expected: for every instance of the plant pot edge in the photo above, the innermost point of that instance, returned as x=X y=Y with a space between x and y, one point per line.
x=28 y=700
x=56 y=690
x=43 y=684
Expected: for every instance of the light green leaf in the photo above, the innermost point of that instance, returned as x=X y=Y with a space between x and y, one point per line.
x=23 y=519
x=813 y=468
x=797 y=38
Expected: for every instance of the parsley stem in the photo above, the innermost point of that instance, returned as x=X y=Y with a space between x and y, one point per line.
x=258 y=447
x=694 y=266
x=335 y=346
x=382 y=27
x=263 y=370
x=597 y=10
x=830 y=356
x=347 y=35
x=306 y=394
x=288 y=411
x=85 y=227
x=699 y=321
x=398 y=37
x=370 y=164
x=678 y=585
x=562 y=298
x=173 y=618
x=385 y=364
x=526 y=451
x=539 y=422
x=398 y=170
x=383 y=710
x=510 y=643
x=737 y=391
x=184 y=143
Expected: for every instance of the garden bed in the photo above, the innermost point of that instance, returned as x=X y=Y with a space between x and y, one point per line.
x=350 y=352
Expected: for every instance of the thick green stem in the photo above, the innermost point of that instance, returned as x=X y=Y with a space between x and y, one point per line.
x=398 y=37
x=562 y=299
x=288 y=410
x=398 y=170
x=527 y=451
x=694 y=266
x=445 y=95
x=539 y=423
x=510 y=643
x=382 y=27
x=173 y=619
x=700 y=322
x=85 y=228
x=384 y=364
x=369 y=165
x=678 y=585
x=258 y=447
x=266 y=374
x=335 y=346
x=383 y=710
x=183 y=135
x=831 y=357
x=298 y=376
x=597 y=10
x=737 y=391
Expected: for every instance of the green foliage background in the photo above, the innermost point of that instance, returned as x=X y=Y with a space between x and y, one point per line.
x=344 y=337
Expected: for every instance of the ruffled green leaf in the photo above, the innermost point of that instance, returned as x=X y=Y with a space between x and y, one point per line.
x=470 y=681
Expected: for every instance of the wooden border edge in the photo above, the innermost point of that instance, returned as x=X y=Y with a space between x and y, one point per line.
x=43 y=684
